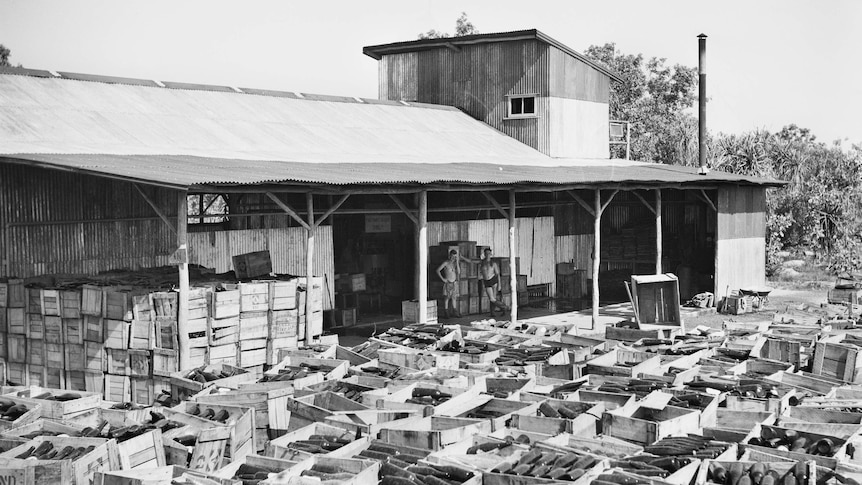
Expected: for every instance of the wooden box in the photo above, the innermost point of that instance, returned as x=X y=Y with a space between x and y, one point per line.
x=182 y=388
x=91 y=300
x=36 y=352
x=76 y=380
x=17 y=348
x=54 y=377
x=199 y=303
x=16 y=374
x=140 y=363
x=279 y=448
x=3 y=348
x=142 y=307
x=35 y=326
x=4 y=327
x=417 y=360
x=34 y=412
x=410 y=311
x=118 y=362
x=56 y=409
x=270 y=405
x=70 y=304
x=36 y=375
x=625 y=363
x=116 y=304
x=250 y=265
x=81 y=471
x=241 y=421
x=253 y=325
x=431 y=433
x=838 y=361
x=55 y=356
x=351 y=283
x=252 y=357
x=274 y=346
x=282 y=295
x=647 y=425
x=116 y=334
x=73 y=331
x=117 y=388
x=141 y=335
x=53 y=328
x=50 y=302
x=766 y=404
x=94 y=329
x=34 y=300
x=283 y=323
x=225 y=304
x=254 y=297
x=656 y=299
x=166 y=333
x=345 y=317
x=364 y=472
x=141 y=391
x=314 y=326
x=198 y=356
x=94 y=356
x=16 y=322
x=223 y=331
x=145 y=451
x=164 y=304
x=165 y=362
x=94 y=382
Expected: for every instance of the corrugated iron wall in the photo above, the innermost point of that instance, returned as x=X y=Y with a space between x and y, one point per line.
x=534 y=242
x=286 y=247
x=55 y=222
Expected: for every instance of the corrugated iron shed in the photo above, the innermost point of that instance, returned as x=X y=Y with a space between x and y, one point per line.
x=188 y=136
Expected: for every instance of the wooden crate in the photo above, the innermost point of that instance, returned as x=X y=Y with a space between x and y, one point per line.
x=410 y=311
x=35 y=326
x=253 y=325
x=16 y=322
x=55 y=356
x=625 y=363
x=142 y=307
x=36 y=375
x=198 y=356
x=34 y=412
x=141 y=390
x=118 y=362
x=94 y=382
x=224 y=354
x=141 y=335
x=104 y=457
x=165 y=362
x=345 y=317
x=117 y=388
x=73 y=331
x=16 y=374
x=143 y=451
x=279 y=447
x=94 y=356
x=16 y=295
x=241 y=419
x=656 y=299
x=116 y=334
x=254 y=297
x=36 y=352
x=70 y=304
x=34 y=300
x=54 y=377
x=782 y=350
x=270 y=406
x=53 y=329
x=197 y=332
x=250 y=265
x=116 y=303
x=94 y=329
x=225 y=304
x=75 y=380
x=274 y=346
x=199 y=303
x=50 y=302
x=165 y=304
x=282 y=295
x=166 y=333
x=647 y=425
x=780 y=466
x=4 y=327
x=252 y=357
x=431 y=433
x=315 y=323
x=351 y=283
x=91 y=300
x=837 y=360
x=140 y=363
x=55 y=409
x=17 y=348
x=223 y=331
x=183 y=388
x=3 y=348
x=283 y=323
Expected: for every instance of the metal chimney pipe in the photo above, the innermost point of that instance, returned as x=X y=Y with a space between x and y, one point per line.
x=701 y=102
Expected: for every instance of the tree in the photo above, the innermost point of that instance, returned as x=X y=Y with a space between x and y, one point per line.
x=654 y=98
x=463 y=27
x=4 y=56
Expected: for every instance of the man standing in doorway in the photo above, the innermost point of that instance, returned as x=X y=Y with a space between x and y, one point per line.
x=490 y=272
x=449 y=271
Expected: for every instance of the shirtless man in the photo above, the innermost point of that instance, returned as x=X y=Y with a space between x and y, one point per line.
x=449 y=271
x=490 y=272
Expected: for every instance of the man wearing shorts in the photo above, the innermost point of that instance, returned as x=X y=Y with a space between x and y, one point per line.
x=448 y=271
x=490 y=273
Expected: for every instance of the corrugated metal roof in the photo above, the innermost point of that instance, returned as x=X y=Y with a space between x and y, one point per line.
x=184 y=170
x=184 y=138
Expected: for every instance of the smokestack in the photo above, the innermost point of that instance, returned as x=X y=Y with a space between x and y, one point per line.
x=701 y=103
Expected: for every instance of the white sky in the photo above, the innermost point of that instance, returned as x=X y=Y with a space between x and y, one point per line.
x=770 y=63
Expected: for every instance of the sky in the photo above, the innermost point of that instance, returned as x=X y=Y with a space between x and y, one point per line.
x=769 y=62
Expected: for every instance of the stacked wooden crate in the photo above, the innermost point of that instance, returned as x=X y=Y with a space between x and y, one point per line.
x=283 y=318
x=253 y=325
x=223 y=328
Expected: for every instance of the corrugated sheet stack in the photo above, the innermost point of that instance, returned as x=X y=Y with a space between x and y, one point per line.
x=771 y=402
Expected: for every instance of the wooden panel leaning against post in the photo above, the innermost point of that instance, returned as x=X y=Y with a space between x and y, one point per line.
x=183 y=303
x=309 y=263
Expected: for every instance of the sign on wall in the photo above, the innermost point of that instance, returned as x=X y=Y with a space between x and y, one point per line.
x=378 y=223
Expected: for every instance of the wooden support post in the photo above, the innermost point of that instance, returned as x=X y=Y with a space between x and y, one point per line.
x=183 y=300
x=423 y=256
x=597 y=249
x=309 y=263
x=658 y=267
x=513 y=273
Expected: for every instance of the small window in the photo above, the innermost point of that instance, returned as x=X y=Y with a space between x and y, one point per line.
x=208 y=209
x=522 y=106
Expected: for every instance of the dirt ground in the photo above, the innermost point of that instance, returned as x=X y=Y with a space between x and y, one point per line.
x=803 y=302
